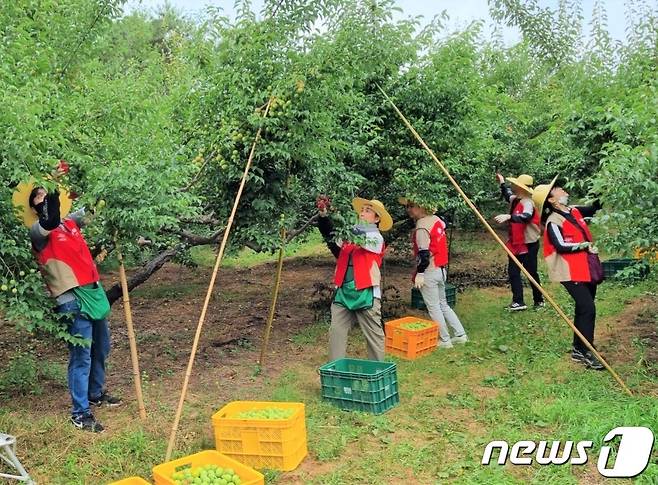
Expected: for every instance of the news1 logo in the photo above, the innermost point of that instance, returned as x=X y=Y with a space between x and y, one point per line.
x=633 y=453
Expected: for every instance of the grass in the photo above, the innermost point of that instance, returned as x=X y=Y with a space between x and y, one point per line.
x=205 y=256
x=513 y=381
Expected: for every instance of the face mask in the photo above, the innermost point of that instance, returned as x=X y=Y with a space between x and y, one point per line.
x=564 y=200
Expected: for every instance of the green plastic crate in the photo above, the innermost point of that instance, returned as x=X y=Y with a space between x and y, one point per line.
x=360 y=385
x=418 y=302
x=612 y=266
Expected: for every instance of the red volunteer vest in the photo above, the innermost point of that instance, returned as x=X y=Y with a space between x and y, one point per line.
x=67 y=257
x=438 y=243
x=362 y=261
x=577 y=262
x=516 y=240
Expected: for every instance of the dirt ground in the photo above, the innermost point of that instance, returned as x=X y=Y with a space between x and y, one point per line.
x=166 y=310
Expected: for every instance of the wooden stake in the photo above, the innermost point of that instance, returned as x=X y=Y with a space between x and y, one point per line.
x=131 y=331
x=504 y=246
x=202 y=317
x=275 y=296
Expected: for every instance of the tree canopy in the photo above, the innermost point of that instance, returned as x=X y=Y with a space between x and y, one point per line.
x=156 y=114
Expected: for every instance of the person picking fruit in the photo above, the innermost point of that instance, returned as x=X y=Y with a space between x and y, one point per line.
x=430 y=248
x=523 y=241
x=357 y=276
x=73 y=281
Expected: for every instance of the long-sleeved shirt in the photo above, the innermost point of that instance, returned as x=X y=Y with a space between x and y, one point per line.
x=555 y=233
x=39 y=237
x=373 y=241
x=528 y=207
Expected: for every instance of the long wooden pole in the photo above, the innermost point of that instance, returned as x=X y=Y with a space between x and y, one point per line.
x=202 y=317
x=131 y=331
x=504 y=246
x=275 y=296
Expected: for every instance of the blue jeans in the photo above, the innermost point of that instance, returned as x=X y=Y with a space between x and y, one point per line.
x=86 y=372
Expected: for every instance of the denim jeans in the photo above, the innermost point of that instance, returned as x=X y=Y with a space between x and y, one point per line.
x=86 y=373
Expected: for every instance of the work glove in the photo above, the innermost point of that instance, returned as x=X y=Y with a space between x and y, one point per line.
x=501 y=218
x=419 y=280
x=583 y=246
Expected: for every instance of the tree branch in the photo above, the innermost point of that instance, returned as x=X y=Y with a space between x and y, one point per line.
x=293 y=234
x=143 y=273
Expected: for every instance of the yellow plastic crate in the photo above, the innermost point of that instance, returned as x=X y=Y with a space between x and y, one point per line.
x=162 y=473
x=131 y=481
x=277 y=444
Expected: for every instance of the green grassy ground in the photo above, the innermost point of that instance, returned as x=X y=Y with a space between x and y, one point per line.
x=205 y=255
x=513 y=381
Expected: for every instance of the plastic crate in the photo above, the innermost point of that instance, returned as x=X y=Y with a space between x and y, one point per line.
x=650 y=254
x=277 y=444
x=360 y=385
x=131 y=481
x=162 y=473
x=612 y=266
x=411 y=344
x=418 y=302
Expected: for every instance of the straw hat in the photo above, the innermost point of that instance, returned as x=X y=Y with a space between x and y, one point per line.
x=404 y=201
x=524 y=182
x=385 y=220
x=540 y=194
x=21 y=201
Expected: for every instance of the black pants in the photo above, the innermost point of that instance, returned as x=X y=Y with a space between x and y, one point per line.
x=585 y=319
x=529 y=262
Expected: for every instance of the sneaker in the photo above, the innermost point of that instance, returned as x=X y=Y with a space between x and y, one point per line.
x=462 y=339
x=592 y=362
x=107 y=399
x=539 y=305
x=516 y=307
x=445 y=345
x=577 y=355
x=87 y=422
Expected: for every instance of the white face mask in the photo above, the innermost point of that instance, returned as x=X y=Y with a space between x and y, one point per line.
x=564 y=200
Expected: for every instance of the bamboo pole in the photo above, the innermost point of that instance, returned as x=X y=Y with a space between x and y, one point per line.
x=504 y=246
x=131 y=331
x=275 y=296
x=202 y=317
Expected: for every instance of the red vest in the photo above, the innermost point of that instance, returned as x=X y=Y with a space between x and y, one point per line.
x=516 y=241
x=577 y=262
x=438 y=243
x=66 y=260
x=362 y=261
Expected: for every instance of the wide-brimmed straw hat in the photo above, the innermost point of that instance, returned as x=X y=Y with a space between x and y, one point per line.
x=21 y=201
x=523 y=181
x=405 y=201
x=540 y=194
x=385 y=220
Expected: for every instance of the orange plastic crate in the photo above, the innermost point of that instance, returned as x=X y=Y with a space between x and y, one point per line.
x=162 y=473
x=131 y=481
x=411 y=344
x=277 y=444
